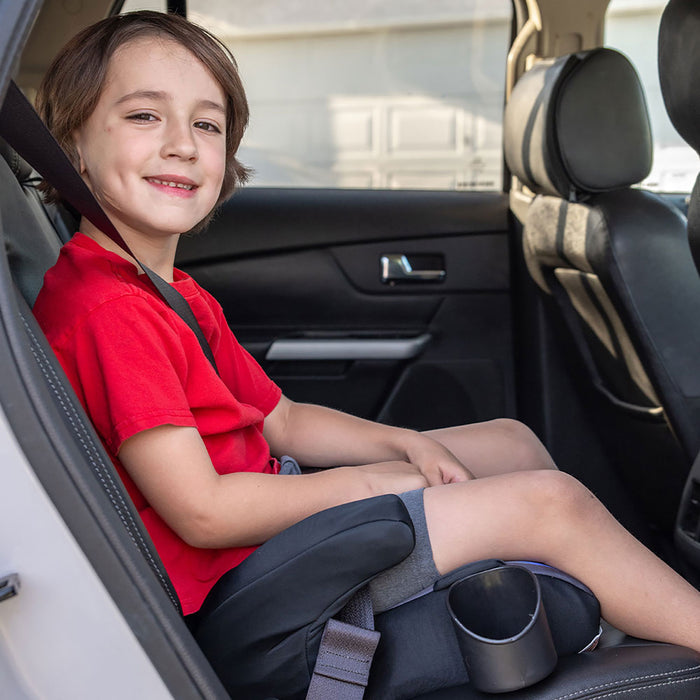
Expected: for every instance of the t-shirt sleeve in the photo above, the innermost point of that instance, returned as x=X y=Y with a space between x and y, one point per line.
x=128 y=367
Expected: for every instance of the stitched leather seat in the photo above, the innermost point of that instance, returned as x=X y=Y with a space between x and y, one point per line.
x=614 y=260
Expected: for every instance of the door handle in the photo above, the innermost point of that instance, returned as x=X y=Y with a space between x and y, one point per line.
x=398 y=267
x=9 y=586
x=348 y=348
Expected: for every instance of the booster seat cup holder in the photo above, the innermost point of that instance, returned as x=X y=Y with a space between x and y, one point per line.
x=502 y=629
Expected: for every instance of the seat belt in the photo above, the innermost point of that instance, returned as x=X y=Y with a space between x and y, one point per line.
x=345 y=655
x=24 y=130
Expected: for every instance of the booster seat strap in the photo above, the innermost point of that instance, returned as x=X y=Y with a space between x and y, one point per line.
x=22 y=128
x=345 y=655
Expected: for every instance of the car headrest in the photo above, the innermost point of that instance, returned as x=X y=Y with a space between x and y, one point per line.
x=21 y=169
x=679 y=63
x=578 y=124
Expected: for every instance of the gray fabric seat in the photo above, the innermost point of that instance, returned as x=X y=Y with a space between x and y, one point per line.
x=29 y=262
x=613 y=261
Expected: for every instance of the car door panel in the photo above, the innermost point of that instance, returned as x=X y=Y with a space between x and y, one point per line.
x=298 y=273
x=256 y=220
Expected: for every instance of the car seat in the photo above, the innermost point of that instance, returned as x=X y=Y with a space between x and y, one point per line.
x=612 y=262
x=290 y=580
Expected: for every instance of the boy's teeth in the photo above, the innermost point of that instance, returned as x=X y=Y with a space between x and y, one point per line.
x=181 y=185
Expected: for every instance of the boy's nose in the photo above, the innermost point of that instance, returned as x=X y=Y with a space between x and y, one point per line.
x=179 y=142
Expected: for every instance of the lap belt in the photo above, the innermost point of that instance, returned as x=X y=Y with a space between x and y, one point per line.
x=346 y=651
x=22 y=128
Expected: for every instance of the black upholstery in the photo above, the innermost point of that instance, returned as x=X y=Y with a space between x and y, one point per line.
x=679 y=63
x=615 y=259
x=562 y=134
x=630 y=673
x=259 y=621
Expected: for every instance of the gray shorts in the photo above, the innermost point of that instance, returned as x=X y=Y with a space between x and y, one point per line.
x=415 y=573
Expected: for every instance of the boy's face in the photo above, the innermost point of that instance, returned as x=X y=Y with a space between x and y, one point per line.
x=154 y=150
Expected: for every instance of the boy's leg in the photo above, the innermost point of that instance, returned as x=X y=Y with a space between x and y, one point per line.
x=494 y=447
x=548 y=516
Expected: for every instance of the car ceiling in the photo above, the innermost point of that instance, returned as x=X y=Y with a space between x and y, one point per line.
x=546 y=28
x=58 y=20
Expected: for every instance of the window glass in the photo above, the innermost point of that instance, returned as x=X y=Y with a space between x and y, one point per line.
x=130 y=5
x=373 y=93
x=632 y=27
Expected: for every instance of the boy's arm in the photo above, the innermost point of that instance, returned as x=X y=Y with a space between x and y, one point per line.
x=172 y=469
x=321 y=437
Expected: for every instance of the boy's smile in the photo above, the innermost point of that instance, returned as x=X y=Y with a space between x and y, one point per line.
x=173 y=182
x=154 y=149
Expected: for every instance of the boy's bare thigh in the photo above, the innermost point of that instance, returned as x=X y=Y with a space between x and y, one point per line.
x=494 y=447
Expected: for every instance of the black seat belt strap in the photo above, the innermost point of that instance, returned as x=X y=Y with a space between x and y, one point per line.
x=23 y=129
x=179 y=305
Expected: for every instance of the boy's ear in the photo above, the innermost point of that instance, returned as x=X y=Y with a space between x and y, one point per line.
x=81 y=163
x=78 y=156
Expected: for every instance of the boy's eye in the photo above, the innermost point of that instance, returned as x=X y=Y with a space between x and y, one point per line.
x=208 y=126
x=142 y=117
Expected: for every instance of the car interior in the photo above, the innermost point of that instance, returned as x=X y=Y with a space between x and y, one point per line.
x=569 y=299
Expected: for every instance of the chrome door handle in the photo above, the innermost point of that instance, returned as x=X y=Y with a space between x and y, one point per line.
x=396 y=267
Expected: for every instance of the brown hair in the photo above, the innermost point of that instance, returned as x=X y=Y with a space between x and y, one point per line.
x=73 y=83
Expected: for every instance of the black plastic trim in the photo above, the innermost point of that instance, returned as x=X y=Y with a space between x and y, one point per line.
x=265 y=218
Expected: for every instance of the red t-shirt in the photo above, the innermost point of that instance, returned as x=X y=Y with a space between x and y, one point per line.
x=135 y=365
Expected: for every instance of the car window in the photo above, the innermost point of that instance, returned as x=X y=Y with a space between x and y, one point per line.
x=632 y=26
x=131 y=5
x=392 y=94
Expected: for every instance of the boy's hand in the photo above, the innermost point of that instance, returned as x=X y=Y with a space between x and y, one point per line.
x=437 y=464
x=389 y=477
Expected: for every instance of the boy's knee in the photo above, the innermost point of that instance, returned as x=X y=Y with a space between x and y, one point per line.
x=561 y=496
x=527 y=450
x=554 y=508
